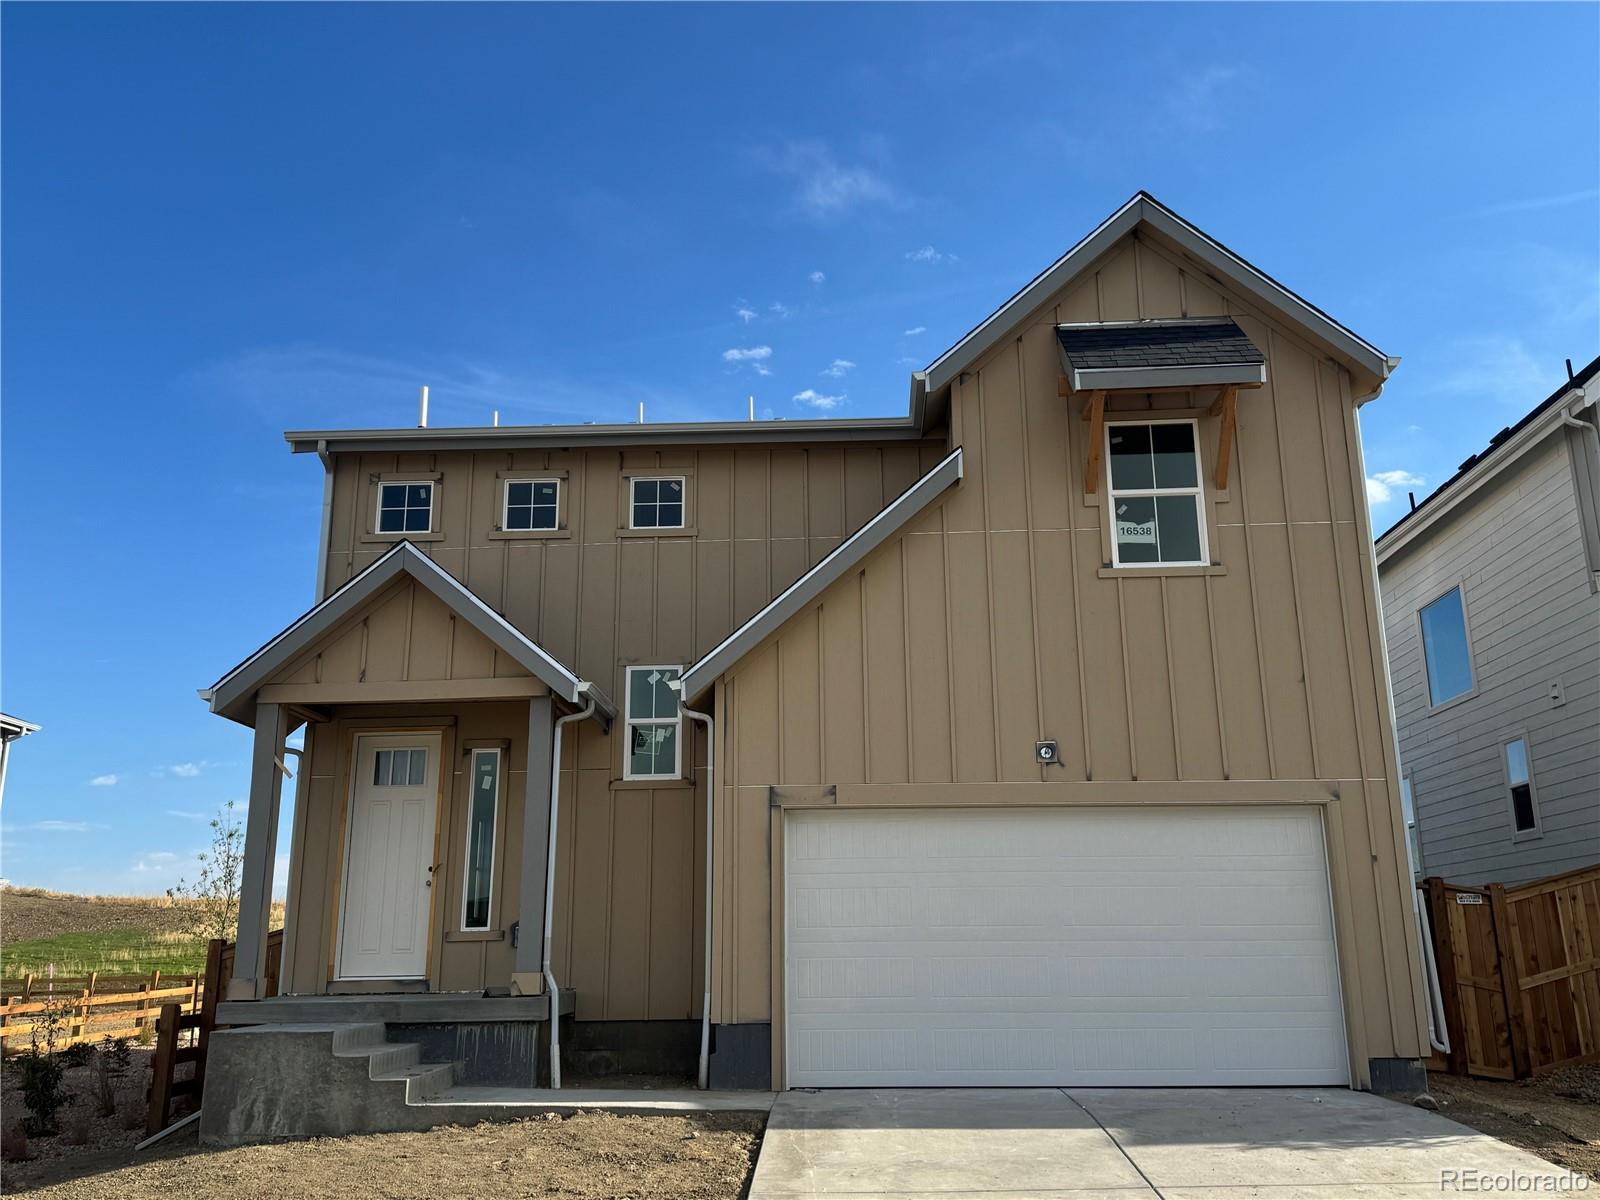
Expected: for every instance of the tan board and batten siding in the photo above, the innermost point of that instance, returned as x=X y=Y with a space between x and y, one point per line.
x=597 y=597
x=925 y=677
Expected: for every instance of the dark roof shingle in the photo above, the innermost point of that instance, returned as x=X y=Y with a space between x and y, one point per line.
x=1210 y=341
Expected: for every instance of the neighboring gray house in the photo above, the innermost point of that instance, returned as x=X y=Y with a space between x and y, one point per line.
x=1491 y=605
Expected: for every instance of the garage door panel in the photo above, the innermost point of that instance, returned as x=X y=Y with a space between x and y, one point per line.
x=1060 y=948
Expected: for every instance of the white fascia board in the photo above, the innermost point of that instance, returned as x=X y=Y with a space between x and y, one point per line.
x=1155 y=379
x=698 y=678
x=1143 y=209
x=402 y=558
x=1482 y=472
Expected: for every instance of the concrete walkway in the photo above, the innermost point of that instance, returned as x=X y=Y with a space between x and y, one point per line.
x=1128 y=1144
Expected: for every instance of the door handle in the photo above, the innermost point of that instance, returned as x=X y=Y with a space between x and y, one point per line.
x=429 y=881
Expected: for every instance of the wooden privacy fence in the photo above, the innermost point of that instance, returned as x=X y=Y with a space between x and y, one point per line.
x=90 y=1012
x=1519 y=970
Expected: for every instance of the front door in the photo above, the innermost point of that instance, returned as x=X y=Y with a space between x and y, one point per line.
x=389 y=863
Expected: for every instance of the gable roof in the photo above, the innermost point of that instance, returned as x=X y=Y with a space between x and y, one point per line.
x=1145 y=210
x=231 y=694
x=12 y=728
x=833 y=566
x=1502 y=450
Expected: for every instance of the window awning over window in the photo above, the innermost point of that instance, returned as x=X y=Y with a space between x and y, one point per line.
x=1156 y=355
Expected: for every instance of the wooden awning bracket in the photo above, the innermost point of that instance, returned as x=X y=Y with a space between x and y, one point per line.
x=1094 y=412
x=1225 y=406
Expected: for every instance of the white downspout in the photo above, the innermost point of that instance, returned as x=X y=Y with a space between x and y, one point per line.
x=711 y=804
x=550 y=883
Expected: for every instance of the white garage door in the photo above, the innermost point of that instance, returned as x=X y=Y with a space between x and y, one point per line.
x=1088 y=947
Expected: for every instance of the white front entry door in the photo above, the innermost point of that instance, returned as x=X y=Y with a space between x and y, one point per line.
x=1060 y=947
x=383 y=932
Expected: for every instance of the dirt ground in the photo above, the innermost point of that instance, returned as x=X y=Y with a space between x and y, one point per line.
x=587 y=1156
x=1556 y=1116
x=27 y=914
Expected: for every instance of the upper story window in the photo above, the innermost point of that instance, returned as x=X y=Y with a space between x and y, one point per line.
x=657 y=502
x=654 y=724
x=1157 y=503
x=1445 y=648
x=1519 y=786
x=482 y=808
x=405 y=507
x=531 y=504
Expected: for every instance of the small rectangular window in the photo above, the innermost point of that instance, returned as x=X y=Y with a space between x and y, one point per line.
x=405 y=507
x=400 y=768
x=1445 y=648
x=1519 y=786
x=531 y=504
x=657 y=503
x=483 y=805
x=654 y=724
x=1157 y=500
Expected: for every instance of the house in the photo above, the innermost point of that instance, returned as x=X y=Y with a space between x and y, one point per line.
x=1036 y=736
x=1491 y=602
x=11 y=729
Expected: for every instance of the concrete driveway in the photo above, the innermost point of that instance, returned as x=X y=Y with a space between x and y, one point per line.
x=1130 y=1144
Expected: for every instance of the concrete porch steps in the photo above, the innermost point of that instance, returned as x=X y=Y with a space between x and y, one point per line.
x=393 y=1062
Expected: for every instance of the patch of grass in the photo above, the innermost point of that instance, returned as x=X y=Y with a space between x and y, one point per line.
x=110 y=952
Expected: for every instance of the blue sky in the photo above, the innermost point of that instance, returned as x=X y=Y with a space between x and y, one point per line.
x=220 y=222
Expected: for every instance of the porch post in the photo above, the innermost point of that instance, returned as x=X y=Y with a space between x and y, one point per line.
x=260 y=846
x=527 y=976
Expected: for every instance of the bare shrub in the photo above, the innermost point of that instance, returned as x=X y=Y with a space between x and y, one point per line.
x=77 y=1131
x=112 y=1059
x=214 y=891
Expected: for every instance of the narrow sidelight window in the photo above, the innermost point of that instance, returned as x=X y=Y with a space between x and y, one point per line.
x=654 y=725
x=482 y=807
x=1157 y=504
x=405 y=507
x=1519 y=786
x=1445 y=648
x=658 y=503
x=531 y=504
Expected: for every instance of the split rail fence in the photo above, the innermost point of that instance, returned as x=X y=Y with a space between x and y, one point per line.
x=1519 y=971
x=91 y=1007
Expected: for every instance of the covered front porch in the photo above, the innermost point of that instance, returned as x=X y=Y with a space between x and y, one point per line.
x=421 y=853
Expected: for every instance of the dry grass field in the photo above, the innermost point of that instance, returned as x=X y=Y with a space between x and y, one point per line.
x=114 y=935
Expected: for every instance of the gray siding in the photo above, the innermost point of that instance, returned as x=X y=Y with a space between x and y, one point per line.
x=1534 y=619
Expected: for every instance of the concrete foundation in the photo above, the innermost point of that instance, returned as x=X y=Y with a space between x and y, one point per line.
x=1402 y=1077
x=741 y=1056
x=600 y=1048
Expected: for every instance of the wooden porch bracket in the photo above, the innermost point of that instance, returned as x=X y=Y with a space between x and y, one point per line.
x=1094 y=412
x=1225 y=406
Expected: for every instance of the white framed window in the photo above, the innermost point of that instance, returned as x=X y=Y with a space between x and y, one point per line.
x=531 y=504
x=1446 y=647
x=1524 y=800
x=1157 y=506
x=483 y=810
x=405 y=507
x=400 y=768
x=656 y=502
x=655 y=725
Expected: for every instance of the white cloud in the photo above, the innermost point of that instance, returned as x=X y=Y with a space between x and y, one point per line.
x=1538 y=203
x=1382 y=485
x=915 y=330
x=186 y=815
x=927 y=254
x=749 y=354
x=1196 y=100
x=778 y=309
x=814 y=399
x=103 y=781
x=817 y=277
x=826 y=188
x=157 y=862
x=838 y=368
x=746 y=314
x=52 y=826
x=186 y=770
